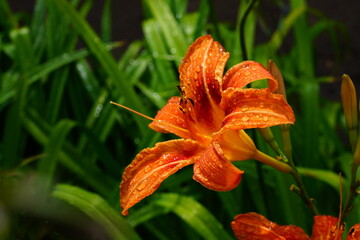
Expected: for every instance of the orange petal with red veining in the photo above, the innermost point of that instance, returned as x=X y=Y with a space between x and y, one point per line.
x=354 y=232
x=326 y=228
x=254 y=226
x=215 y=172
x=152 y=166
x=246 y=72
x=254 y=108
x=201 y=79
x=170 y=119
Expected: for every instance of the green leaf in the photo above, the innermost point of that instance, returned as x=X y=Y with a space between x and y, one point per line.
x=47 y=165
x=286 y=24
x=159 y=53
x=12 y=130
x=174 y=35
x=36 y=73
x=96 y=208
x=105 y=59
x=106 y=22
x=69 y=156
x=326 y=176
x=194 y=214
x=204 y=10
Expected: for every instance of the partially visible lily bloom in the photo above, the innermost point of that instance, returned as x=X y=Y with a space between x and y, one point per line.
x=210 y=117
x=254 y=226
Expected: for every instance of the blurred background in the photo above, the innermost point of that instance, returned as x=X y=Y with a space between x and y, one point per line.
x=64 y=147
x=127 y=17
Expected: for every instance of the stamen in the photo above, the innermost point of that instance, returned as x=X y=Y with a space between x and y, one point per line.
x=132 y=110
x=147 y=117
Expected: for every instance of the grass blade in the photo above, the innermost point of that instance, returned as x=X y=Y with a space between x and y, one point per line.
x=98 y=209
x=174 y=36
x=105 y=59
x=47 y=165
x=194 y=214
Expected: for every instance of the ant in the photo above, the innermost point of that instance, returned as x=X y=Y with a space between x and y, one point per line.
x=184 y=100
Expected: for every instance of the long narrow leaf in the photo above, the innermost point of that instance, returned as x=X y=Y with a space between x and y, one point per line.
x=98 y=209
x=47 y=165
x=171 y=29
x=105 y=59
x=194 y=214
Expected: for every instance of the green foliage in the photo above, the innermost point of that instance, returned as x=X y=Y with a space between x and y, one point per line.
x=59 y=128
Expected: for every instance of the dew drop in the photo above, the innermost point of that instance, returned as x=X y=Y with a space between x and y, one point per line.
x=173 y=51
x=142 y=185
x=155 y=54
x=247 y=73
x=244 y=108
x=266 y=118
x=147 y=168
x=98 y=110
x=245 y=118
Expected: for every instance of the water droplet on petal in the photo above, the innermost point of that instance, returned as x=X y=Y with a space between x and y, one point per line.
x=247 y=73
x=266 y=118
x=147 y=168
x=142 y=185
x=245 y=118
x=244 y=108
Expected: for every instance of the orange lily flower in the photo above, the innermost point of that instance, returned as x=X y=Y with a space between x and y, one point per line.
x=254 y=226
x=209 y=117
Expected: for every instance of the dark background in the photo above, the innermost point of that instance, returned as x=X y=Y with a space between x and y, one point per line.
x=127 y=17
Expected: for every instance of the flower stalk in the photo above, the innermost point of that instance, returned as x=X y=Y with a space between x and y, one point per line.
x=266 y=159
x=349 y=102
x=299 y=188
x=354 y=183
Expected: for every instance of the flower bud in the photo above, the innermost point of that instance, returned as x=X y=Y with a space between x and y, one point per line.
x=349 y=102
x=275 y=72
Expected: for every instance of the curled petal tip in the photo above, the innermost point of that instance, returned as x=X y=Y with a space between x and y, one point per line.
x=215 y=172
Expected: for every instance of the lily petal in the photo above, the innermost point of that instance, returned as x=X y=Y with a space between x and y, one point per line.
x=254 y=108
x=152 y=166
x=354 y=232
x=215 y=172
x=246 y=72
x=253 y=226
x=201 y=80
x=235 y=144
x=170 y=119
x=326 y=227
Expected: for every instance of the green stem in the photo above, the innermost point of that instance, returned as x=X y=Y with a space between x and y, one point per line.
x=285 y=134
x=266 y=159
x=299 y=189
x=353 y=138
x=242 y=29
x=353 y=193
x=268 y=136
x=214 y=21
